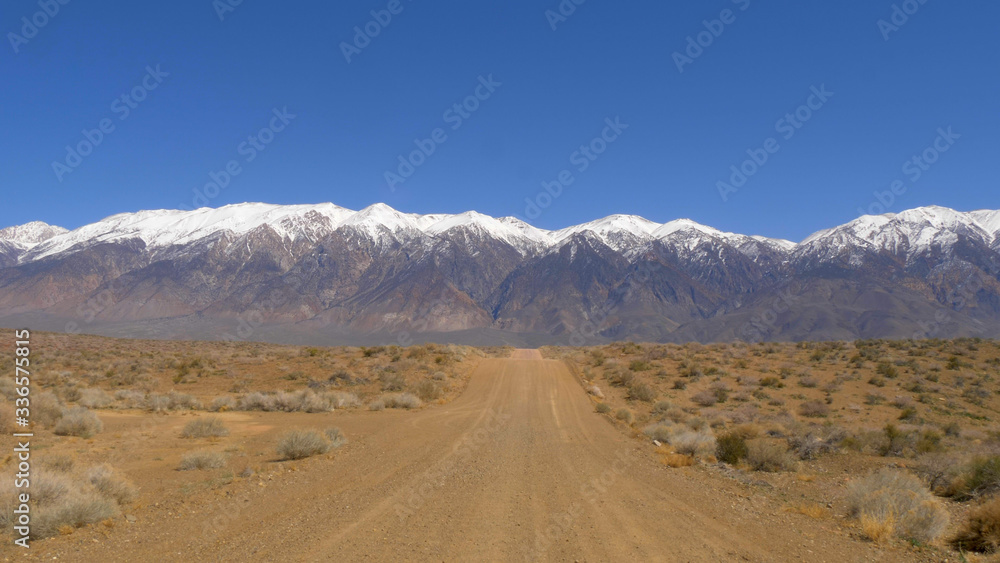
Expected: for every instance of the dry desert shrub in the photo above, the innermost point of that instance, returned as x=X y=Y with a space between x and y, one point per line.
x=693 y=442
x=311 y=402
x=401 y=401
x=222 y=404
x=377 y=405
x=335 y=436
x=602 y=408
x=342 y=400
x=112 y=485
x=428 y=391
x=208 y=427
x=46 y=409
x=704 y=398
x=769 y=456
x=182 y=401
x=300 y=444
x=256 y=401
x=814 y=409
x=203 y=459
x=130 y=399
x=59 y=501
x=981 y=530
x=94 y=398
x=641 y=392
x=891 y=503
x=595 y=391
x=625 y=416
x=59 y=463
x=78 y=421
x=157 y=403
x=676 y=460
x=731 y=448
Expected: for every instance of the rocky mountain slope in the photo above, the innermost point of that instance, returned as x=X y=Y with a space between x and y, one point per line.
x=325 y=274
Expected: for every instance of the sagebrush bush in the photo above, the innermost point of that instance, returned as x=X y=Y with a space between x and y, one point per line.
x=111 y=485
x=78 y=421
x=300 y=444
x=979 y=478
x=335 y=436
x=731 y=448
x=59 y=501
x=342 y=400
x=204 y=428
x=896 y=503
x=704 y=398
x=222 y=404
x=256 y=401
x=695 y=443
x=401 y=401
x=130 y=399
x=769 y=456
x=428 y=391
x=602 y=408
x=94 y=398
x=641 y=392
x=625 y=416
x=814 y=409
x=658 y=432
x=981 y=530
x=202 y=459
x=595 y=391
x=46 y=409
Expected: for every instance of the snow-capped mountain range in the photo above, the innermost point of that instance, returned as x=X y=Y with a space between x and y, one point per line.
x=378 y=271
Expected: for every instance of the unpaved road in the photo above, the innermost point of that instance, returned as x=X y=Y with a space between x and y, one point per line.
x=519 y=468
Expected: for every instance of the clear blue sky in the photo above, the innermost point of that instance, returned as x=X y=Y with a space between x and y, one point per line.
x=606 y=60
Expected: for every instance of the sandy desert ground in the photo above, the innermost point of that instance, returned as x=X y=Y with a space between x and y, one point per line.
x=510 y=459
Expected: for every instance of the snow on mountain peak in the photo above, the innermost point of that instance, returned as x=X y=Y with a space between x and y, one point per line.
x=909 y=231
x=30 y=233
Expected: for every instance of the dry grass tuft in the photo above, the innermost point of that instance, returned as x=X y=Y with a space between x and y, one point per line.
x=205 y=428
x=202 y=460
x=78 y=421
x=676 y=460
x=111 y=485
x=893 y=502
x=981 y=531
x=300 y=444
x=767 y=455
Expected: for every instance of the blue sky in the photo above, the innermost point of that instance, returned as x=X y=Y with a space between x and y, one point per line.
x=216 y=82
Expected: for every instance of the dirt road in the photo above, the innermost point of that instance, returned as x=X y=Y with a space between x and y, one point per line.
x=520 y=468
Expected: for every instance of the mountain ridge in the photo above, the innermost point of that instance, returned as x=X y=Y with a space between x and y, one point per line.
x=346 y=274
